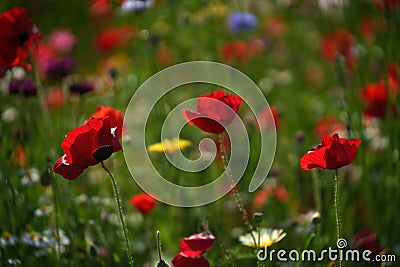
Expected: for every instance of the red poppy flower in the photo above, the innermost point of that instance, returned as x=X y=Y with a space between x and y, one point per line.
x=333 y=153
x=110 y=39
x=197 y=244
x=181 y=260
x=262 y=196
x=21 y=158
x=393 y=78
x=164 y=56
x=275 y=27
x=101 y=9
x=329 y=125
x=213 y=116
x=116 y=117
x=265 y=120
x=339 y=42
x=281 y=193
x=86 y=146
x=235 y=51
x=367 y=28
x=192 y=248
x=17 y=33
x=143 y=202
x=54 y=99
x=375 y=96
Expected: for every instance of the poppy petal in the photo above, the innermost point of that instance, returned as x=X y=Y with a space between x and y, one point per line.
x=181 y=260
x=67 y=170
x=203 y=122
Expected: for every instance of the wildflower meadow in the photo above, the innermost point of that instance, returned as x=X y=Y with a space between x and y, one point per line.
x=199 y=133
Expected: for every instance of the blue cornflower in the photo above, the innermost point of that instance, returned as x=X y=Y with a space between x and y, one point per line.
x=241 y=21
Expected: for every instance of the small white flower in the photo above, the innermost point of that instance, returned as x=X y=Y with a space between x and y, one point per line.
x=306 y=222
x=18 y=73
x=34 y=239
x=330 y=5
x=31 y=177
x=7 y=239
x=14 y=261
x=9 y=115
x=372 y=132
x=59 y=239
x=82 y=198
x=44 y=210
x=268 y=237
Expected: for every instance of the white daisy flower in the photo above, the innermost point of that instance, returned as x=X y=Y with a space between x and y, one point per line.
x=7 y=239
x=268 y=237
x=44 y=210
x=31 y=177
x=34 y=239
x=306 y=222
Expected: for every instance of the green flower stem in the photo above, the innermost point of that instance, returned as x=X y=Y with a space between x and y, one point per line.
x=337 y=210
x=54 y=187
x=120 y=213
x=259 y=263
x=317 y=195
x=238 y=199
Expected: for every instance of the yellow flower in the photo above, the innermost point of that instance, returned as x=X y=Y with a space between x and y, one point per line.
x=169 y=146
x=217 y=10
x=268 y=237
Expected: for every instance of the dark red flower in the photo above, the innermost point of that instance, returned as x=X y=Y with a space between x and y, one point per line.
x=81 y=88
x=333 y=153
x=339 y=42
x=387 y=4
x=197 y=244
x=116 y=117
x=375 y=96
x=143 y=202
x=86 y=146
x=181 y=260
x=366 y=240
x=24 y=86
x=58 y=67
x=213 y=112
x=192 y=248
x=17 y=33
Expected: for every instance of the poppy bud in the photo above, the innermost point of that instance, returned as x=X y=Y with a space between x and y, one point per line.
x=258 y=218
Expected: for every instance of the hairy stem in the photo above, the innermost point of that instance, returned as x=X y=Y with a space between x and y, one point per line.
x=337 y=211
x=236 y=194
x=120 y=213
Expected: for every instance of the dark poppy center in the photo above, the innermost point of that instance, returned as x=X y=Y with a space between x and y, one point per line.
x=103 y=153
x=23 y=37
